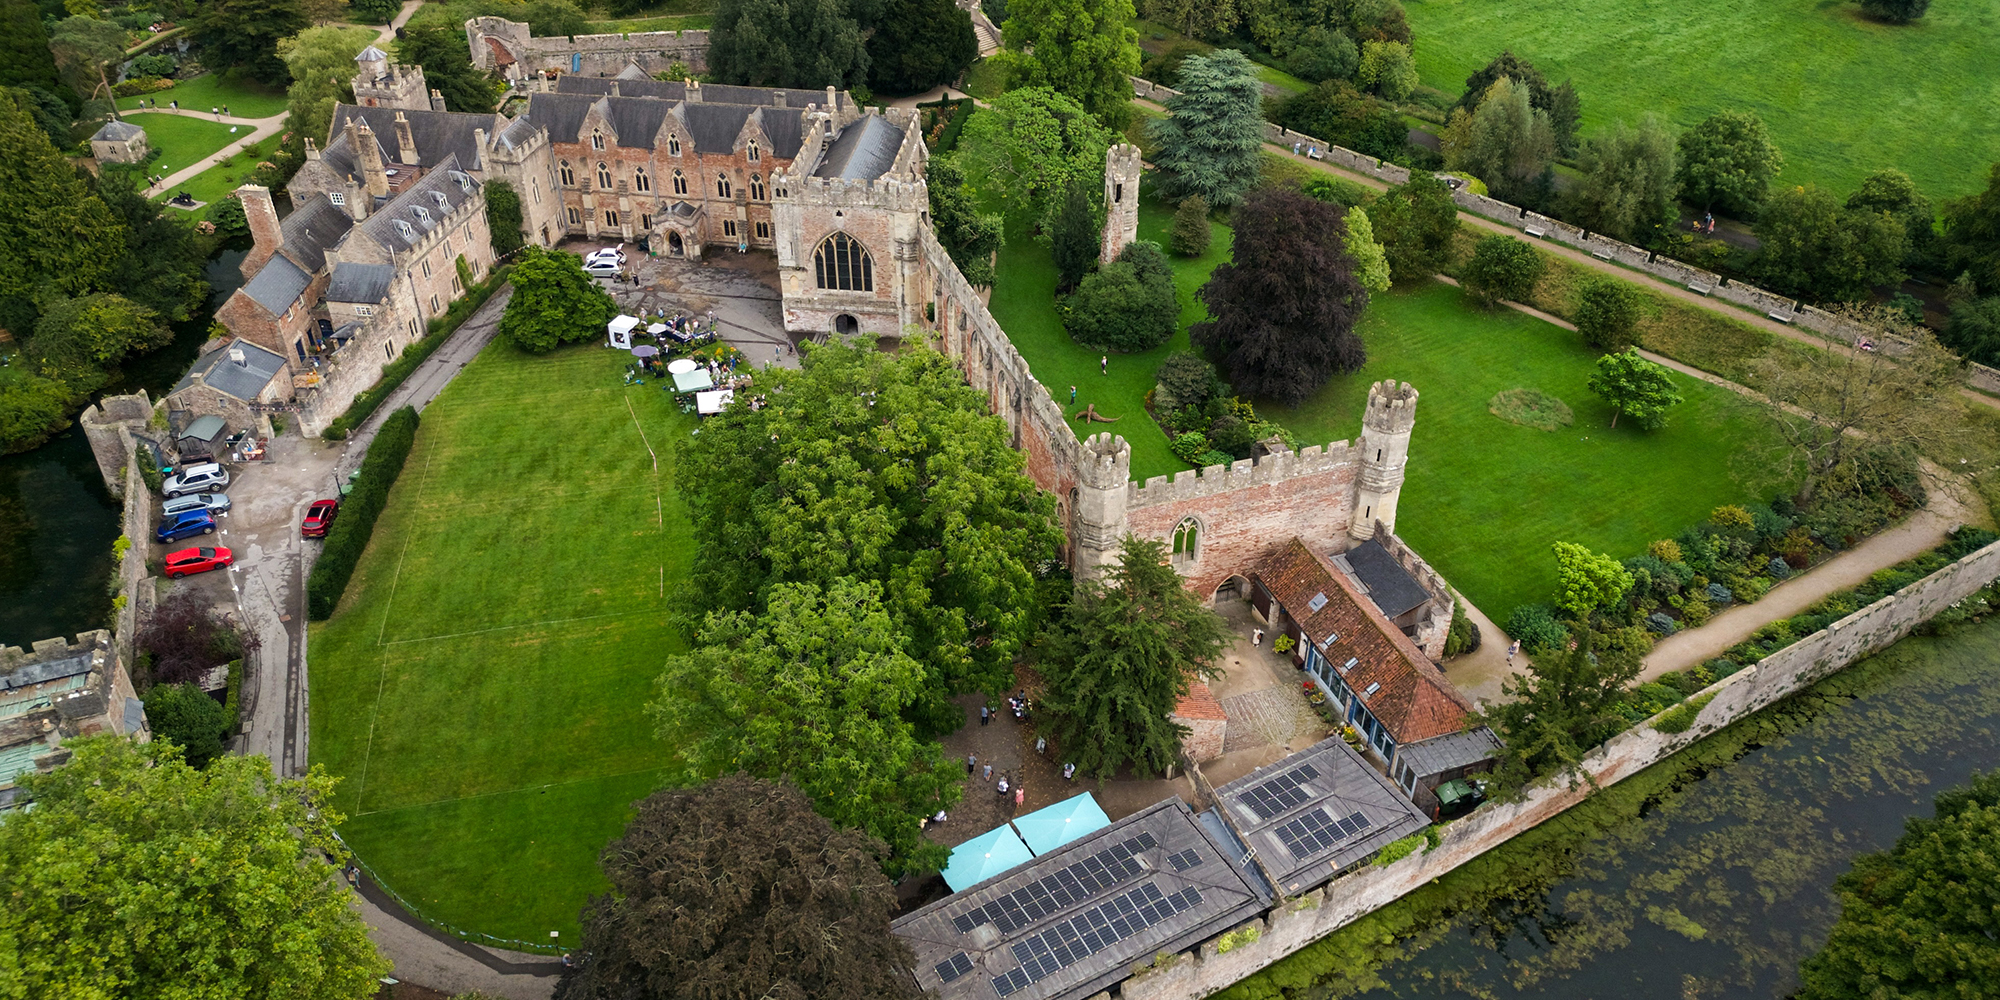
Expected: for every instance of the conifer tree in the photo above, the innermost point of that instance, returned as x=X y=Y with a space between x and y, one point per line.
x=1211 y=144
x=1189 y=235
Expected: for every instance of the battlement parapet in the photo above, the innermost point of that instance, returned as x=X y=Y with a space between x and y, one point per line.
x=1269 y=470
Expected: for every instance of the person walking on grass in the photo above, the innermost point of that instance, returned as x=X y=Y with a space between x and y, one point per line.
x=1072 y=395
x=1103 y=366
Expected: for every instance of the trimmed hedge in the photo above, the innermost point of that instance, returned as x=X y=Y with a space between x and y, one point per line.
x=348 y=537
x=415 y=354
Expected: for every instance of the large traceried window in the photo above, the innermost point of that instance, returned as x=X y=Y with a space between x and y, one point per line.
x=568 y=175
x=843 y=263
x=603 y=177
x=680 y=183
x=1187 y=541
x=641 y=182
x=756 y=187
x=722 y=185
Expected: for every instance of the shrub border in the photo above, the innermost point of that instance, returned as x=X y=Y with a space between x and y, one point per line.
x=350 y=533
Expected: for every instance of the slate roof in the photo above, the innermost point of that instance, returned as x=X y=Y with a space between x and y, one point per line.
x=43 y=671
x=1075 y=920
x=1442 y=753
x=311 y=230
x=365 y=283
x=675 y=90
x=865 y=150
x=1317 y=813
x=1411 y=697
x=405 y=220
x=245 y=381
x=277 y=284
x=438 y=135
x=712 y=127
x=1383 y=579
x=372 y=54
x=117 y=131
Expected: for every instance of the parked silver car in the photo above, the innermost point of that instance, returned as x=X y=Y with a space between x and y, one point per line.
x=201 y=478
x=214 y=503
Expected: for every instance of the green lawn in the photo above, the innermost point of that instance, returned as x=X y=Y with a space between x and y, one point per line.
x=480 y=691
x=218 y=181
x=1842 y=95
x=1024 y=303
x=1485 y=498
x=668 y=22
x=246 y=98
x=182 y=141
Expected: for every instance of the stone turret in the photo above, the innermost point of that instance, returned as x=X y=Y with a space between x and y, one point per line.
x=379 y=83
x=1384 y=449
x=1098 y=523
x=1121 y=200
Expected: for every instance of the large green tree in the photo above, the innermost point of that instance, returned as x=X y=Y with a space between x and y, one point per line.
x=81 y=340
x=1895 y=11
x=32 y=408
x=1510 y=144
x=1085 y=49
x=55 y=235
x=447 y=67
x=245 y=34
x=1501 y=267
x=1028 y=148
x=1727 y=161
x=87 y=52
x=1566 y=703
x=1628 y=186
x=503 y=216
x=1127 y=305
x=1587 y=581
x=1119 y=661
x=1211 y=143
x=1282 y=311
x=1416 y=222
x=735 y=890
x=886 y=468
x=970 y=236
x=321 y=64
x=919 y=44
x=1606 y=312
x=1635 y=387
x=554 y=302
x=1892 y=191
x=186 y=715
x=1921 y=920
x=1078 y=235
x=1337 y=113
x=813 y=690
x=163 y=266
x=786 y=43
x=135 y=875
x=1974 y=329
x=555 y=17
x=1972 y=235
x=1813 y=247
x=1387 y=69
x=1559 y=103
x=25 y=59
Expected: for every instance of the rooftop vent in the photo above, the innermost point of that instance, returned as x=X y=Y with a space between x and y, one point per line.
x=236 y=355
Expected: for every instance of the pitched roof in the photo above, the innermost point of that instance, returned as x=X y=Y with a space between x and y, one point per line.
x=372 y=54
x=311 y=230
x=405 y=220
x=244 y=381
x=352 y=282
x=711 y=127
x=277 y=284
x=675 y=90
x=1316 y=813
x=1442 y=753
x=1383 y=579
x=1400 y=685
x=437 y=134
x=865 y=150
x=117 y=131
x=1200 y=703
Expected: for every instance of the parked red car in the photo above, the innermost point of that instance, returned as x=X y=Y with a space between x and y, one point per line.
x=319 y=517
x=200 y=560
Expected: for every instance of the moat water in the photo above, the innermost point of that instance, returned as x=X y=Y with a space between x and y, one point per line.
x=1705 y=877
x=57 y=521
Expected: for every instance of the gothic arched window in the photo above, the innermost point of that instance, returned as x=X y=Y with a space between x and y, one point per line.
x=673 y=145
x=640 y=182
x=1187 y=541
x=722 y=185
x=842 y=263
x=596 y=139
x=680 y=183
x=755 y=155
x=568 y=175
x=604 y=177
x=756 y=187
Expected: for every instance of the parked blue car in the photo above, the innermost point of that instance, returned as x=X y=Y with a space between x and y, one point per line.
x=185 y=524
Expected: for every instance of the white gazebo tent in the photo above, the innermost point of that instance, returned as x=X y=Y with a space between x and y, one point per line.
x=620 y=330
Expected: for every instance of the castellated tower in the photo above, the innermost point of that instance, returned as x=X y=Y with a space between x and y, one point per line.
x=378 y=83
x=1121 y=200
x=1384 y=446
x=1097 y=524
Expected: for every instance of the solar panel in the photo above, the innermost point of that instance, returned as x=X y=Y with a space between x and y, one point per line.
x=1317 y=830
x=1185 y=860
x=1071 y=941
x=1286 y=791
x=954 y=967
x=1073 y=884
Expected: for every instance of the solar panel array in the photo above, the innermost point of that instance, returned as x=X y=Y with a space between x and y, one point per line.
x=1318 y=830
x=1073 y=884
x=1185 y=860
x=1067 y=943
x=954 y=967
x=1283 y=792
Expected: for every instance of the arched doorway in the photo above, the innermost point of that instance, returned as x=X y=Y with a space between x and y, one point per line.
x=1236 y=588
x=675 y=247
x=846 y=325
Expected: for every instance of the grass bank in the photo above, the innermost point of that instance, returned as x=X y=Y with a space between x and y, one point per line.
x=245 y=98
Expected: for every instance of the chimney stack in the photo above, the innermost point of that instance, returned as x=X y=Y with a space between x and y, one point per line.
x=693 y=91
x=437 y=99
x=312 y=150
x=373 y=176
x=406 y=143
x=265 y=232
x=614 y=88
x=358 y=201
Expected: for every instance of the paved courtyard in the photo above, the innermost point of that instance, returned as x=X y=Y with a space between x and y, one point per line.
x=741 y=289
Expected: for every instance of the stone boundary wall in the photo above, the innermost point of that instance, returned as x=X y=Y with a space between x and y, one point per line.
x=600 y=55
x=1292 y=924
x=1244 y=473
x=1751 y=297
x=130 y=575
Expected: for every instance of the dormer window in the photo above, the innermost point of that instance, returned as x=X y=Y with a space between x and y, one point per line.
x=673 y=145
x=423 y=214
x=407 y=232
x=464 y=183
x=596 y=139
x=755 y=154
x=442 y=201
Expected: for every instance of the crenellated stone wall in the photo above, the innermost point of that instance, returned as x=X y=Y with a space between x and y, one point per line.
x=509 y=48
x=1292 y=924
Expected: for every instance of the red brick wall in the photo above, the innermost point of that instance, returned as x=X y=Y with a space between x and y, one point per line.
x=700 y=168
x=1240 y=527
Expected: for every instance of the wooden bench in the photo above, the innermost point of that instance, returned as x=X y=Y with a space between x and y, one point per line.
x=1780 y=317
x=1535 y=231
x=1601 y=253
x=1700 y=289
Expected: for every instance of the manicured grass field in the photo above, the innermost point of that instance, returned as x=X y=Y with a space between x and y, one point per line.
x=218 y=181
x=246 y=98
x=1484 y=498
x=668 y=22
x=1024 y=303
x=182 y=141
x=1843 y=95
x=480 y=691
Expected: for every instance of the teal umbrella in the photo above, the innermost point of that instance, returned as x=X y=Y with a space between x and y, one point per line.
x=1049 y=828
x=983 y=857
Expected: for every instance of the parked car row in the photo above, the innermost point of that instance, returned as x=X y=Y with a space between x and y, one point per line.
x=190 y=508
x=606 y=263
